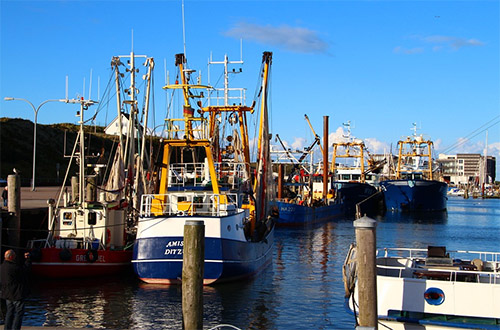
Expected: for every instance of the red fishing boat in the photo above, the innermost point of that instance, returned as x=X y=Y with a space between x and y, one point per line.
x=91 y=230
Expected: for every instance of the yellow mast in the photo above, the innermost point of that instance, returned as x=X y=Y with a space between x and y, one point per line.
x=188 y=139
x=316 y=136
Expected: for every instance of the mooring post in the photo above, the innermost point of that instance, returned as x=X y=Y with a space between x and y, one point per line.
x=192 y=274
x=14 y=208
x=367 y=272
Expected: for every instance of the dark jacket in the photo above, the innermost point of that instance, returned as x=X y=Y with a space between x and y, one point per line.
x=15 y=280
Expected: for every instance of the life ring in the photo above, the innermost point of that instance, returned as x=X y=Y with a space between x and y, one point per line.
x=434 y=296
x=65 y=254
x=91 y=255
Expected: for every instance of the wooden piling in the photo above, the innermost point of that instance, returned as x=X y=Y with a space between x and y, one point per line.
x=192 y=274
x=14 y=208
x=367 y=271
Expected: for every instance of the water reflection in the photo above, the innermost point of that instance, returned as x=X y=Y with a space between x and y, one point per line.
x=79 y=304
x=302 y=288
x=439 y=217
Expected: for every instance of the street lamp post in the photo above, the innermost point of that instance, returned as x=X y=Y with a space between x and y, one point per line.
x=34 y=130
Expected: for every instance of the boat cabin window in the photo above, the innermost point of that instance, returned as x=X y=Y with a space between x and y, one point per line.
x=187 y=155
x=412 y=176
x=92 y=218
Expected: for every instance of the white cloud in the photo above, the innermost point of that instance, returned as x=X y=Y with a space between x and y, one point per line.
x=336 y=136
x=464 y=145
x=408 y=51
x=494 y=150
x=298 y=143
x=437 y=144
x=453 y=42
x=437 y=43
x=375 y=146
x=296 y=39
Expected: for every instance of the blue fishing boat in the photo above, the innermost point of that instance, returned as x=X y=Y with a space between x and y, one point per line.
x=293 y=214
x=205 y=175
x=414 y=188
x=351 y=181
x=302 y=198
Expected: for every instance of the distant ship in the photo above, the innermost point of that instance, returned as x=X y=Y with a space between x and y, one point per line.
x=414 y=187
x=301 y=200
x=349 y=184
x=355 y=178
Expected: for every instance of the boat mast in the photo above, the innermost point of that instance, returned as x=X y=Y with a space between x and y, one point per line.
x=484 y=177
x=129 y=148
x=188 y=111
x=240 y=109
x=115 y=62
x=84 y=105
x=133 y=110
x=263 y=163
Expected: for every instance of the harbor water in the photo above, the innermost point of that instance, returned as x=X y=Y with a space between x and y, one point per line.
x=301 y=289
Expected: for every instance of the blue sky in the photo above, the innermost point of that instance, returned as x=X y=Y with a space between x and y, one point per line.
x=382 y=65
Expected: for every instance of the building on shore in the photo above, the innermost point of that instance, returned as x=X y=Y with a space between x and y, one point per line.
x=461 y=169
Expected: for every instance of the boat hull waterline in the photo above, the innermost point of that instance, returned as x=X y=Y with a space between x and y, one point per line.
x=228 y=256
x=107 y=262
x=291 y=214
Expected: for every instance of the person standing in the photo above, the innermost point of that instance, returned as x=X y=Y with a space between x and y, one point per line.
x=15 y=288
x=5 y=195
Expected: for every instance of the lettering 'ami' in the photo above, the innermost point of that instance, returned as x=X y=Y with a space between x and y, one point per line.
x=174 y=247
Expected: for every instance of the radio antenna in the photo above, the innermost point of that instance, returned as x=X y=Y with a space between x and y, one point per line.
x=183 y=30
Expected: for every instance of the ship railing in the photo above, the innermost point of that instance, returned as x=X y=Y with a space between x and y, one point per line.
x=229 y=174
x=200 y=203
x=177 y=128
x=440 y=273
x=493 y=257
x=411 y=262
x=220 y=95
x=189 y=174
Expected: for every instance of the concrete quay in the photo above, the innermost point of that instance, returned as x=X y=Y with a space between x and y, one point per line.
x=38 y=198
